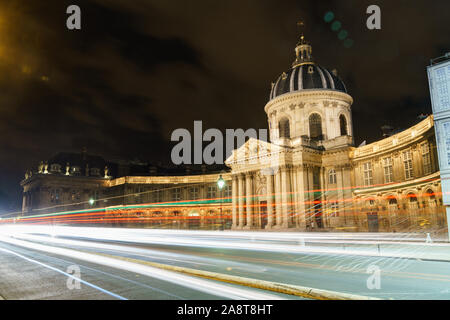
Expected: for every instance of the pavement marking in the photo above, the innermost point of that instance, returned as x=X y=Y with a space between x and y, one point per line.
x=404 y=274
x=64 y=273
x=210 y=287
x=305 y=292
x=121 y=278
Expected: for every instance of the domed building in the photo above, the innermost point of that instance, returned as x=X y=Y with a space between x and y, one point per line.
x=309 y=175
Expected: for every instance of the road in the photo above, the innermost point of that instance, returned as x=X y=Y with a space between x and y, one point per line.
x=35 y=261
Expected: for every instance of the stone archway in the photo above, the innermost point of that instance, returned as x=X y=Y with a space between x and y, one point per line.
x=193 y=219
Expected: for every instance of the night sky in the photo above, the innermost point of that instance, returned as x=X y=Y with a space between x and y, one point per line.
x=139 y=69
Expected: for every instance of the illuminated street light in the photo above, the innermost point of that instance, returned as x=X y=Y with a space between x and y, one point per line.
x=221 y=183
x=91 y=201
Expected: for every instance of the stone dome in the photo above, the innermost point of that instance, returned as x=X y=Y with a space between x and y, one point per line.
x=306 y=75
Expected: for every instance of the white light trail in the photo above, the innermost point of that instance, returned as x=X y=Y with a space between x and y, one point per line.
x=269 y=242
x=112 y=294
x=197 y=284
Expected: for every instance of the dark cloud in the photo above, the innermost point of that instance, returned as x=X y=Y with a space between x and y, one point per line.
x=140 y=69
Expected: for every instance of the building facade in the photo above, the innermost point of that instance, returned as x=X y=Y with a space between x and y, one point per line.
x=129 y=194
x=309 y=176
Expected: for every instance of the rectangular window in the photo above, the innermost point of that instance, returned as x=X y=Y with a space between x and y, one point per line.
x=212 y=191
x=332 y=179
x=139 y=193
x=388 y=170
x=426 y=158
x=407 y=163
x=194 y=193
x=54 y=195
x=447 y=140
x=157 y=196
x=227 y=192
x=368 y=177
x=176 y=194
x=334 y=208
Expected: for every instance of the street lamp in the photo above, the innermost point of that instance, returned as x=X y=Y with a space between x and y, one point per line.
x=91 y=201
x=221 y=184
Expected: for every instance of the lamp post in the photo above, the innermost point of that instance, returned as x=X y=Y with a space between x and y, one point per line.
x=221 y=185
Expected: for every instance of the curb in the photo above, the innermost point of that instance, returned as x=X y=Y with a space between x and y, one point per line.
x=305 y=292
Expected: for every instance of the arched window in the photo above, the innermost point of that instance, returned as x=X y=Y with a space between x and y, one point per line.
x=343 y=125
x=371 y=204
x=432 y=198
x=315 y=127
x=332 y=176
x=283 y=127
x=413 y=203
x=393 y=205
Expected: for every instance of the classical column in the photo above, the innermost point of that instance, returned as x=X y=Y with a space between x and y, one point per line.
x=340 y=193
x=294 y=196
x=301 y=192
x=278 y=206
x=324 y=196
x=285 y=196
x=269 y=200
x=234 y=200
x=347 y=194
x=241 y=201
x=249 y=200
x=311 y=205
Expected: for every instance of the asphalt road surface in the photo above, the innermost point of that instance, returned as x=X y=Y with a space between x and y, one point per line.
x=34 y=265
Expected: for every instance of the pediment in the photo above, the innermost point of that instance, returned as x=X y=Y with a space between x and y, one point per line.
x=253 y=149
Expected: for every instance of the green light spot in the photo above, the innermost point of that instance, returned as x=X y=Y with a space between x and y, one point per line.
x=342 y=34
x=329 y=16
x=348 y=43
x=335 y=26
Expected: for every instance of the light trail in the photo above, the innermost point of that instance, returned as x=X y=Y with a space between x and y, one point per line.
x=65 y=274
x=198 y=284
x=206 y=239
x=346 y=253
x=222 y=201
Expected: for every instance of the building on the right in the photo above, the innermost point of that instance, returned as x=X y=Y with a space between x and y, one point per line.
x=309 y=175
x=396 y=183
x=439 y=82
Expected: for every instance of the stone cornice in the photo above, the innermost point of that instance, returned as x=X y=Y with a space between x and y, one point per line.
x=309 y=94
x=205 y=178
x=63 y=178
x=396 y=142
x=405 y=184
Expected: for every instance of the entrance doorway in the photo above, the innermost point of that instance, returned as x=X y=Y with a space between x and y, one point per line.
x=372 y=221
x=263 y=213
